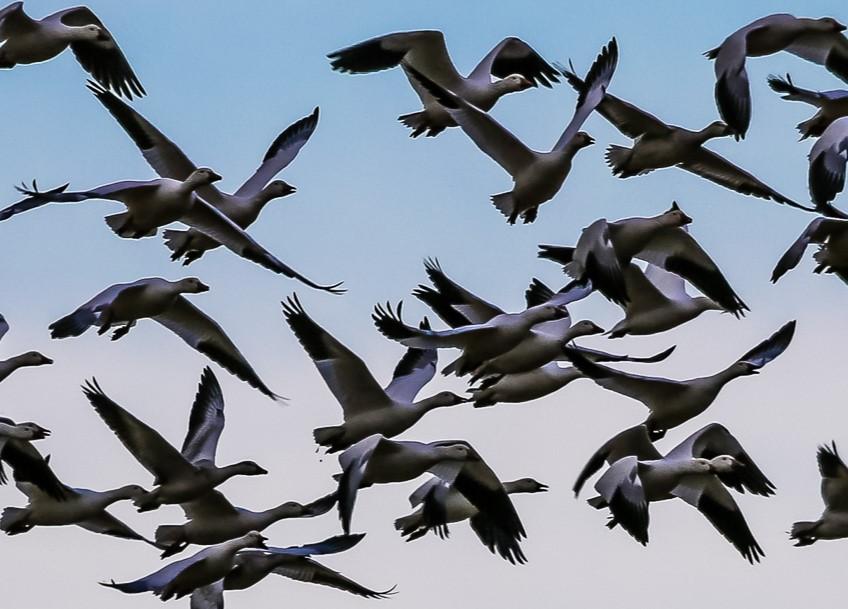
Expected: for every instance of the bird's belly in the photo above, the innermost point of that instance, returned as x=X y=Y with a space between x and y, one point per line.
x=653 y=153
x=833 y=525
x=383 y=421
x=219 y=530
x=395 y=469
x=539 y=183
x=60 y=514
x=659 y=320
x=156 y=210
x=31 y=48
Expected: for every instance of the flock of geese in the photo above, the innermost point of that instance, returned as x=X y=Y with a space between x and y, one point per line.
x=642 y=264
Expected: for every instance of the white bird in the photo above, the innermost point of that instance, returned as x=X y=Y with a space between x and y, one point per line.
x=672 y=403
x=830 y=104
x=24 y=459
x=831 y=235
x=833 y=523
x=537 y=176
x=458 y=307
x=183 y=577
x=478 y=342
x=180 y=476
x=123 y=304
x=213 y=519
x=543 y=345
x=249 y=566
x=377 y=460
x=368 y=408
x=76 y=506
x=696 y=471
x=605 y=248
x=440 y=504
x=817 y=40
x=252 y=566
x=152 y=204
x=826 y=176
x=535 y=384
x=512 y=61
x=169 y=161
x=658 y=145
x=657 y=301
x=27 y=40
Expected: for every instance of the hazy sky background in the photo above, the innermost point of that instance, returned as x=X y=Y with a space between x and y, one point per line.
x=223 y=80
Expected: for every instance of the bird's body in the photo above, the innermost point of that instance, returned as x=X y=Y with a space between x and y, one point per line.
x=27 y=41
x=833 y=522
x=514 y=64
x=537 y=176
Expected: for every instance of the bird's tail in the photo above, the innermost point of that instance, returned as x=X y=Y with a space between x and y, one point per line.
x=812 y=127
x=420 y=124
x=74 y=324
x=617 y=158
x=804 y=533
x=506 y=203
x=329 y=437
x=14 y=521
x=408 y=524
x=121 y=224
x=177 y=241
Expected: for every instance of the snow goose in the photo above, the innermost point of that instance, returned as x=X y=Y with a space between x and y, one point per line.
x=169 y=161
x=833 y=523
x=155 y=203
x=537 y=176
x=831 y=104
x=826 y=176
x=252 y=566
x=27 y=40
x=478 y=342
x=377 y=460
x=657 y=301
x=24 y=459
x=213 y=519
x=696 y=471
x=605 y=248
x=672 y=403
x=534 y=384
x=658 y=145
x=77 y=506
x=440 y=504
x=831 y=235
x=817 y=40
x=183 y=577
x=367 y=407
x=457 y=306
x=180 y=475
x=512 y=61
x=543 y=345
x=123 y=304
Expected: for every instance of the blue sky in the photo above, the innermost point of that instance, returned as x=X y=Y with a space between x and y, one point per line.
x=223 y=80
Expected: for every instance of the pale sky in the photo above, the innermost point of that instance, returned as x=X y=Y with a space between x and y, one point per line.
x=223 y=80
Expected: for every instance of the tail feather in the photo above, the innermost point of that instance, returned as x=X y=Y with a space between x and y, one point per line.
x=408 y=524
x=420 y=123
x=804 y=533
x=506 y=204
x=13 y=520
x=330 y=437
x=177 y=241
x=122 y=226
x=617 y=158
x=74 y=324
x=812 y=127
